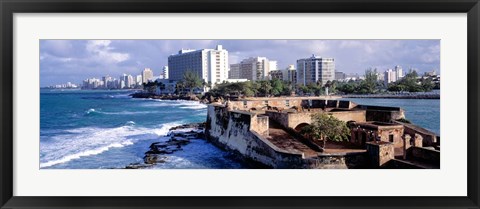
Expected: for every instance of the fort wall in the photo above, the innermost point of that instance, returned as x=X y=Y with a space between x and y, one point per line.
x=235 y=131
x=244 y=133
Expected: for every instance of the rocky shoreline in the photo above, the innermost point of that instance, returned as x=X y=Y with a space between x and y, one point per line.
x=179 y=137
x=164 y=97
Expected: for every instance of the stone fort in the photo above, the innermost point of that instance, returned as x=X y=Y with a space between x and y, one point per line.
x=266 y=131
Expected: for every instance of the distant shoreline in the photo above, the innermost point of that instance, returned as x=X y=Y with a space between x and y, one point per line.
x=393 y=96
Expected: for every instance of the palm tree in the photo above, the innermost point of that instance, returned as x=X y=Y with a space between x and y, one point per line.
x=191 y=80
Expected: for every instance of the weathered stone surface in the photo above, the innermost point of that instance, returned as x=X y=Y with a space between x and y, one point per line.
x=236 y=131
x=380 y=153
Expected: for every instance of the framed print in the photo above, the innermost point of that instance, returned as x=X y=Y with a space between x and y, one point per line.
x=265 y=104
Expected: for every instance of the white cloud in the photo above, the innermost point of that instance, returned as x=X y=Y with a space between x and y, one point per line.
x=103 y=51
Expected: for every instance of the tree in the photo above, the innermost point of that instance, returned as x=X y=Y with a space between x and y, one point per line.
x=427 y=84
x=248 y=92
x=326 y=127
x=369 y=85
x=180 y=87
x=149 y=87
x=191 y=80
x=277 y=87
x=265 y=87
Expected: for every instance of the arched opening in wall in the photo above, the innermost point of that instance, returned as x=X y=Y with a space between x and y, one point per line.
x=300 y=126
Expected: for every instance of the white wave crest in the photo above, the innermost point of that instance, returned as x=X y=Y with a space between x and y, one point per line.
x=130 y=123
x=91 y=110
x=81 y=142
x=84 y=153
x=165 y=129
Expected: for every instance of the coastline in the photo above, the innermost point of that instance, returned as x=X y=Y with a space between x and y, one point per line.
x=179 y=136
x=393 y=96
x=144 y=95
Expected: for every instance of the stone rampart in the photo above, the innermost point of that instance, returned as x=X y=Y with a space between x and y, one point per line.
x=244 y=133
x=232 y=130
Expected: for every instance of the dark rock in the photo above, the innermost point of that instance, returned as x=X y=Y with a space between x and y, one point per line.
x=137 y=166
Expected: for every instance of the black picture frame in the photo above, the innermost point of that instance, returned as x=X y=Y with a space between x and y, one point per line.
x=9 y=8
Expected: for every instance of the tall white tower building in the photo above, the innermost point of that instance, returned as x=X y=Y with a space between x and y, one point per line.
x=211 y=65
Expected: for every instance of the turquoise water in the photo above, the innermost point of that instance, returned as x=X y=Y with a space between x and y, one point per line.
x=422 y=112
x=108 y=129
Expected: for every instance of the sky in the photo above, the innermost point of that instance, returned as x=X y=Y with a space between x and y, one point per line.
x=63 y=61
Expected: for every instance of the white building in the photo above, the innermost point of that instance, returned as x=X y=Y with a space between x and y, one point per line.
x=92 y=83
x=315 y=69
x=211 y=65
x=253 y=68
x=393 y=75
x=106 y=81
x=164 y=73
x=138 y=80
x=399 y=72
x=147 y=74
x=130 y=82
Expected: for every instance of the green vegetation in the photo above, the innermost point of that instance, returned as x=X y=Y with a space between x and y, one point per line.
x=191 y=81
x=273 y=87
x=411 y=83
x=326 y=127
x=151 y=86
x=370 y=85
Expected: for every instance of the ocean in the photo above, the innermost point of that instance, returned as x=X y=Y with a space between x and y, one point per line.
x=422 y=112
x=82 y=129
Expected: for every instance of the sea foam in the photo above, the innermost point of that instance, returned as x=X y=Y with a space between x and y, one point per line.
x=88 y=141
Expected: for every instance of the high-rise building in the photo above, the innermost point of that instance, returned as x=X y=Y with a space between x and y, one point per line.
x=234 y=72
x=164 y=73
x=393 y=75
x=278 y=74
x=130 y=83
x=315 y=69
x=390 y=76
x=92 y=83
x=106 y=80
x=288 y=74
x=138 y=80
x=211 y=65
x=147 y=74
x=125 y=79
x=255 y=68
x=398 y=72
x=292 y=74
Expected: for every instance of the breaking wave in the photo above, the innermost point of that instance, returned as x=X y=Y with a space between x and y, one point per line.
x=81 y=142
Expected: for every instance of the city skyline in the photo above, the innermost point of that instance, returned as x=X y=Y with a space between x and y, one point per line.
x=64 y=61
